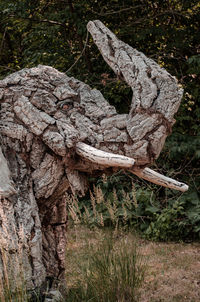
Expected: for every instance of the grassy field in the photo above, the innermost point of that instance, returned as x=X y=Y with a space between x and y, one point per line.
x=118 y=266
x=171 y=270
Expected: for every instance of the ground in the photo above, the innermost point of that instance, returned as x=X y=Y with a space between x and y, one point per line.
x=172 y=270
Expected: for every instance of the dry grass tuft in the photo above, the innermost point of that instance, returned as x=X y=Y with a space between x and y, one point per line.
x=103 y=266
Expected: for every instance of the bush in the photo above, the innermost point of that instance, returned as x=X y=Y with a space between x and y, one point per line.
x=158 y=215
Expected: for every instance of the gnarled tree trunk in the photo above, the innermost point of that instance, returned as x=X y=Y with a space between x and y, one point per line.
x=55 y=131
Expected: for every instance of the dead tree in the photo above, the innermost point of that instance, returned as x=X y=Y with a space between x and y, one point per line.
x=55 y=131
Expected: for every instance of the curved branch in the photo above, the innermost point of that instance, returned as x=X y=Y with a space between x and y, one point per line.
x=153 y=87
x=52 y=22
x=116 y=12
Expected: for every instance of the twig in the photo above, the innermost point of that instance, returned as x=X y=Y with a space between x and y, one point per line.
x=9 y=68
x=4 y=34
x=115 y=12
x=38 y=20
x=85 y=45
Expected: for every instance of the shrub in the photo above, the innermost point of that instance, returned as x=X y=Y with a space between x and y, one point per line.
x=159 y=215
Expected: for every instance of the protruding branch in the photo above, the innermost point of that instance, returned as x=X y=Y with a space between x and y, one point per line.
x=114 y=160
x=160 y=179
x=103 y=158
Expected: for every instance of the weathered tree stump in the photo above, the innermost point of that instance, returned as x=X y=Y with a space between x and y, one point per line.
x=55 y=131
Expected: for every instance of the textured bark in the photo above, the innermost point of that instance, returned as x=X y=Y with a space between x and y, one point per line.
x=47 y=121
x=43 y=115
x=156 y=95
x=6 y=184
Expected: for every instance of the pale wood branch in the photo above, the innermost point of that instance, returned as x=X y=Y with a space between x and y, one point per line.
x=159 y=179
x=103 y=158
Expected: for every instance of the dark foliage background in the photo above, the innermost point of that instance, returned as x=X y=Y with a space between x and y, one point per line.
x=53 y=32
